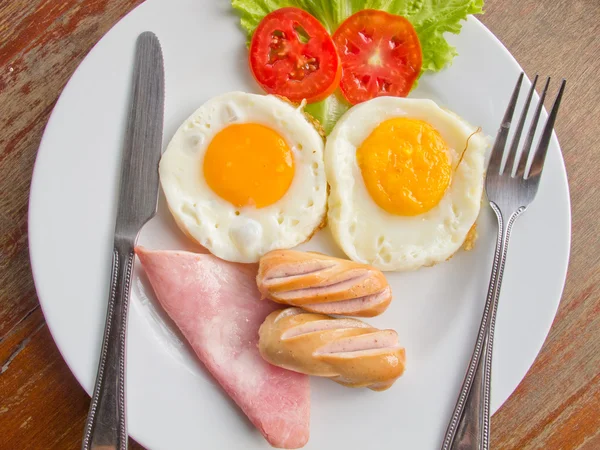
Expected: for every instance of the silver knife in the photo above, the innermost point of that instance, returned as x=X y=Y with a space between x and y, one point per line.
x=106 y=426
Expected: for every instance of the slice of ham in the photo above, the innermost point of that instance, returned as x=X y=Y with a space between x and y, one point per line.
x=217 y=307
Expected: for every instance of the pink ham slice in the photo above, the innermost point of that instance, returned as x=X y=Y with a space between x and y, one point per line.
x=217 y=307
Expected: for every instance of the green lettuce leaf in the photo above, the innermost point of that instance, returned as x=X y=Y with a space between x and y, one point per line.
x=328 y=111
x=431 y=19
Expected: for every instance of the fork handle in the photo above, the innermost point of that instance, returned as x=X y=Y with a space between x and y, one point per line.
x=469 y=427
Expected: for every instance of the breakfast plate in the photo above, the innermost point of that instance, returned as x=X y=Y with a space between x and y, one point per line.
x=172 y=401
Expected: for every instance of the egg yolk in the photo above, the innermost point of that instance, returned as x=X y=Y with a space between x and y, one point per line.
x=249 y=165
x=405 y=166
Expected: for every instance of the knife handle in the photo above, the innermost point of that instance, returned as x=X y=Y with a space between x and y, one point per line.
x=106 y=426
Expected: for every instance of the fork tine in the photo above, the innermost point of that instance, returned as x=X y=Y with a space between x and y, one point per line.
x=540 y=154
x=512 y=155
x=531 y=133
x=500 y=142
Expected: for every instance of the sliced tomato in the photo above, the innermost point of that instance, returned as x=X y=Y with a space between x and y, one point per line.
x=293 y=55
x=380 y=54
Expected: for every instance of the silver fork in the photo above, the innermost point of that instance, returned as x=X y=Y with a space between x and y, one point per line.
x=510 y=189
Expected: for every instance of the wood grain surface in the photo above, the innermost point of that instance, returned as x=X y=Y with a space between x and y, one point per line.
x=42 y=406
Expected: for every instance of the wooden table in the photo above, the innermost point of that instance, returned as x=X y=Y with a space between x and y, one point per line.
x=557 y=406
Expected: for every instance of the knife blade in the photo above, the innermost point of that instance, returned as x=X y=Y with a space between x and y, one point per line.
x=106 y=425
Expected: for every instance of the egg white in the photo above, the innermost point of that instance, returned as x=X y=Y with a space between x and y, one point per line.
x=368 y=233
x=244 y=234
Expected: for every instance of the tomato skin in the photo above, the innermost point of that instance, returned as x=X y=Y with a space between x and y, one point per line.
x=380 y=54
x=293 y=55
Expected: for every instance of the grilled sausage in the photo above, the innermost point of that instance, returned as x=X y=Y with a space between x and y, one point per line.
x=348 y=351
x=323 y=284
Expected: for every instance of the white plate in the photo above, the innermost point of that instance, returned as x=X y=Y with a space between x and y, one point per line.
x=172 y=402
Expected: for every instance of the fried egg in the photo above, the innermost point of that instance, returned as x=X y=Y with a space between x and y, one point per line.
x=406 y=179
x=244 y=175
